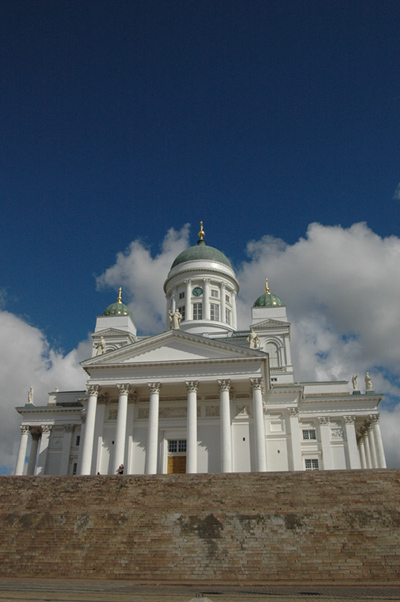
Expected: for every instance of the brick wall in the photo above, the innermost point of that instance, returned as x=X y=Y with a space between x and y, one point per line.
x=309 y=527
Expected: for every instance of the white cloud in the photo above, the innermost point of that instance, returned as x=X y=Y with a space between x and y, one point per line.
x=341 y=287
x=142 y=278
x=396 y=195
x=26 y=359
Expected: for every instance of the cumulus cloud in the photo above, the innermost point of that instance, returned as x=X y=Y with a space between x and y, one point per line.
x=26 y=359
x=396 y=196
x=142 y=277
x=341 y=287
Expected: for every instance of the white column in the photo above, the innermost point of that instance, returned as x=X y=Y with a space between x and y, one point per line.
x=129 y=447
x=120 y=430
x=188 y=295
x=325 y=430
x=259 y=425
x=43 y=449
x=371 y=445
x=87 y=444
x=23 y=444
x=362 y=452
x=297 y=460
x=234 y=318
x=66 y=448
x=222 y=292
x=191 y=453
x=206 y=298
x=152 y=438
x=173 y=300
x=226 y=433
x=352 y=451
x=98 y=434
x=35 y=433
x=376 y=430
x=368 y=460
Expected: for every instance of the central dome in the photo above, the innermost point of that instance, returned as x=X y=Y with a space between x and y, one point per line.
x=202 y=251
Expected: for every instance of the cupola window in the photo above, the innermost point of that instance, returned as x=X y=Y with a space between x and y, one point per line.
x=214 y=312
x=214 y=292
x=197 y=311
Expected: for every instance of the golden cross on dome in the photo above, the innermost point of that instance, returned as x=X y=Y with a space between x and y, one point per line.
x=119 y=295
x=201 y=234
x=266 y=286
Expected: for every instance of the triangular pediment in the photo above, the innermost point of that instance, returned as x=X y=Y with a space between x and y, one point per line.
x=266 y=324
x=172 y=346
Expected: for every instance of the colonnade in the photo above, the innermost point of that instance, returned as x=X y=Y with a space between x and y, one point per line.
x=206 y=299
x=38 y=453
x=152 y=454
x=370 y=444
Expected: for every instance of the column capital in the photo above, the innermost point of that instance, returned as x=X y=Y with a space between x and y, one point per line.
x=188 y=282
x=349 y=419
x=68 y=428
x=192 y=385
x=35 y=433
x=46 y=428
x=294 y=412
x=225 y=385
x=207 y=280
x=24 y=429
x=256 y=384
x=93 y=390
x=374 y=418
x=123 y=388
x=154 y=387
x=324 y=420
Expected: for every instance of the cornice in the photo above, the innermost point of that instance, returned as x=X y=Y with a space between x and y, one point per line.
x=47 y=409
x=202 y=362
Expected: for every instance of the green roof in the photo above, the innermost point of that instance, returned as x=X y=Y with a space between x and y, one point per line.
x=202 y=251
x=268 y=300
x=118 y=309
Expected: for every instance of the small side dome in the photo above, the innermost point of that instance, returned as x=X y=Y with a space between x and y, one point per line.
x=118 y=308
x=203 y=252
x=268 y=299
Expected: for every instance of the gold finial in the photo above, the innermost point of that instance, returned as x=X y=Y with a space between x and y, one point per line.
x=201 y=233
x=266 y=286
x=119 y=295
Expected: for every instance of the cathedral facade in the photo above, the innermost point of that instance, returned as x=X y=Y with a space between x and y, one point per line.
x=202 y=396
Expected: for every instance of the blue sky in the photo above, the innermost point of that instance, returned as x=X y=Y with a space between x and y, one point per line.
x=122 y=120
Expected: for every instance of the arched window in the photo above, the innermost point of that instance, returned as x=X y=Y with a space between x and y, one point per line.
x=272 y=349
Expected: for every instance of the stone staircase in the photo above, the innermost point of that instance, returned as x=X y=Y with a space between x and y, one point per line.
x=272 y=528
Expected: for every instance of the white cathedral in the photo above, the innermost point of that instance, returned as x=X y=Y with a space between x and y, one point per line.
x=200 y=397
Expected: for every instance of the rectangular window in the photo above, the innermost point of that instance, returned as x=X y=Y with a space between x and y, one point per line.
x=312 y=464
x=197 y=311
x=228 y=298
x=182 y=295
x=227 y=315
x=74 y=468
x=177 y=446
x=214 y=311
x=214 y=293
x=78 y=440
x=182 y=312
x=309 y=434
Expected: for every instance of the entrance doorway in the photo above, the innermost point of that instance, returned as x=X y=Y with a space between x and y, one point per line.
x=176 y=456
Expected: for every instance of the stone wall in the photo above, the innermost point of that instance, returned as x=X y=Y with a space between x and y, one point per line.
x=308 y=527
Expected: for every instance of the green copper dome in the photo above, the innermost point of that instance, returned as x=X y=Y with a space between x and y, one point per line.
x=202 y=251
x=118 y=309
x=268 y=299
